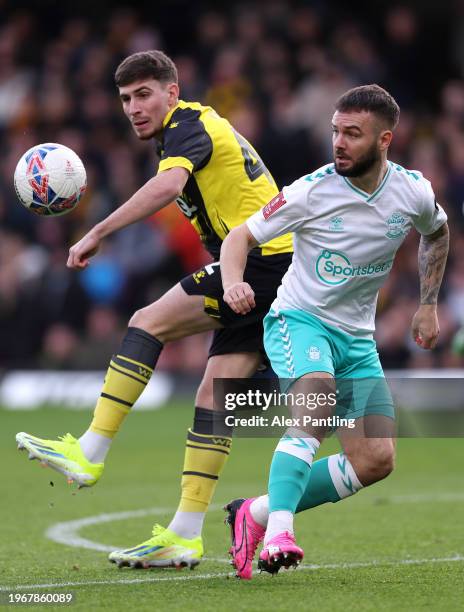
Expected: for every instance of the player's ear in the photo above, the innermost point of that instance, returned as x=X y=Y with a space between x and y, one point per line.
x=173 y=93
x=385 y=138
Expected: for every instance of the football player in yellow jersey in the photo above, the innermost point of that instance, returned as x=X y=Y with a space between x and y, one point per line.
x=218 y=180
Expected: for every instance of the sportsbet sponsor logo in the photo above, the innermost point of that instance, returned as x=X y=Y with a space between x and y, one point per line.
x=334 y=268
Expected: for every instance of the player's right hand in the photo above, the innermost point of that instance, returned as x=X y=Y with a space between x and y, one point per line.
x=240 y=297
x=425 y=328
x=82 y=251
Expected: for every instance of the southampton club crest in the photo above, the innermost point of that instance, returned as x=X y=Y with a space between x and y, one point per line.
x=396 y=226
x=313 y=353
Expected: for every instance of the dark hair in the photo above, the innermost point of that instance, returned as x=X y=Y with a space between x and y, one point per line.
x=371 y=98
x=145 y=65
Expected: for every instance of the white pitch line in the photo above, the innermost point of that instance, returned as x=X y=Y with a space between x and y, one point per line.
x=312 y=567
x=121 y=581
x=424 y=498
x=379 y=563
x=67 y=532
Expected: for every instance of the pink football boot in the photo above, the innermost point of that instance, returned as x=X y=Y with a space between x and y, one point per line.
x=246 y=534
x=280 y=551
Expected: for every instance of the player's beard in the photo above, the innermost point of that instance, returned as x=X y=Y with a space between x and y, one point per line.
x=363 y=164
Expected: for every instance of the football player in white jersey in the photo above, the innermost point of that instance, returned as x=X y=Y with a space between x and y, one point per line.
x=349 y=218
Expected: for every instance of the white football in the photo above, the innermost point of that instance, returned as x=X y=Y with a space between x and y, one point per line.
x=50 y=179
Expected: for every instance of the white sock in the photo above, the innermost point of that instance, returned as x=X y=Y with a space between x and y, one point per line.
x=187 y=525
x=94 y=446
x=259 y=509
x=279 y=521
x=297 y=443
x=343 y=475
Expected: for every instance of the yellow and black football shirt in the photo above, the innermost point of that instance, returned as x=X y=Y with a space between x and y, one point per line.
x=228 y=181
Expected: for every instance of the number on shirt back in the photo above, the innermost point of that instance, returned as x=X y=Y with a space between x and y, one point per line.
x=254 y=165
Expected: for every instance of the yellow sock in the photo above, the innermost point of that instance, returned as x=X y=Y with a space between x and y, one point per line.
x=126 y=378
x=124 y=382
x=205 y=456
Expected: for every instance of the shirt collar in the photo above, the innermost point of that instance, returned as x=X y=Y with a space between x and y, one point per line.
x=167 y=119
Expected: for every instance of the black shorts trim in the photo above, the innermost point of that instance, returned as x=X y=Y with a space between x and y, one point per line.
x=240 y=333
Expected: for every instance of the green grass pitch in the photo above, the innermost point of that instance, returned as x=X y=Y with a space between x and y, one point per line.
x=398 y=545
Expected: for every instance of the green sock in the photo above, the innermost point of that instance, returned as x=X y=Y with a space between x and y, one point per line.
x=290 y=470
x=331 y=479
x=288 y=480
x=320 y=489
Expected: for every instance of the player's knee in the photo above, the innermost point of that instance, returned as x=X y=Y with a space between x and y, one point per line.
x=372 y=464
x=204 y=395
x=151 y=320
x=385 y=462
x=381 y=462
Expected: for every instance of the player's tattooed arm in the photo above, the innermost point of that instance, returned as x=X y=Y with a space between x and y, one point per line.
x=433 y=251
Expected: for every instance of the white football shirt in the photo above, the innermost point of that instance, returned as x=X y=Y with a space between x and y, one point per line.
x=345 y=240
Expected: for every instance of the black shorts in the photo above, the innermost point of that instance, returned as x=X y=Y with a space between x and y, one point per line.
x=241 y=333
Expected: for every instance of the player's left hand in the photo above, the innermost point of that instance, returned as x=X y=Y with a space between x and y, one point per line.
x=424 y=327
x=240 y=297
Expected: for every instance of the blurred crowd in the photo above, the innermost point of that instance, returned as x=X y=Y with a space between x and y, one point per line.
x=274 y=69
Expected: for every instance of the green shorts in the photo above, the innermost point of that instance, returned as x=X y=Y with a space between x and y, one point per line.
x=298 y=343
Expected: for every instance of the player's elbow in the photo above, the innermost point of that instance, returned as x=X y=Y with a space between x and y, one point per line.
x=172 y=182
x=241 y=235
x=176 y=188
